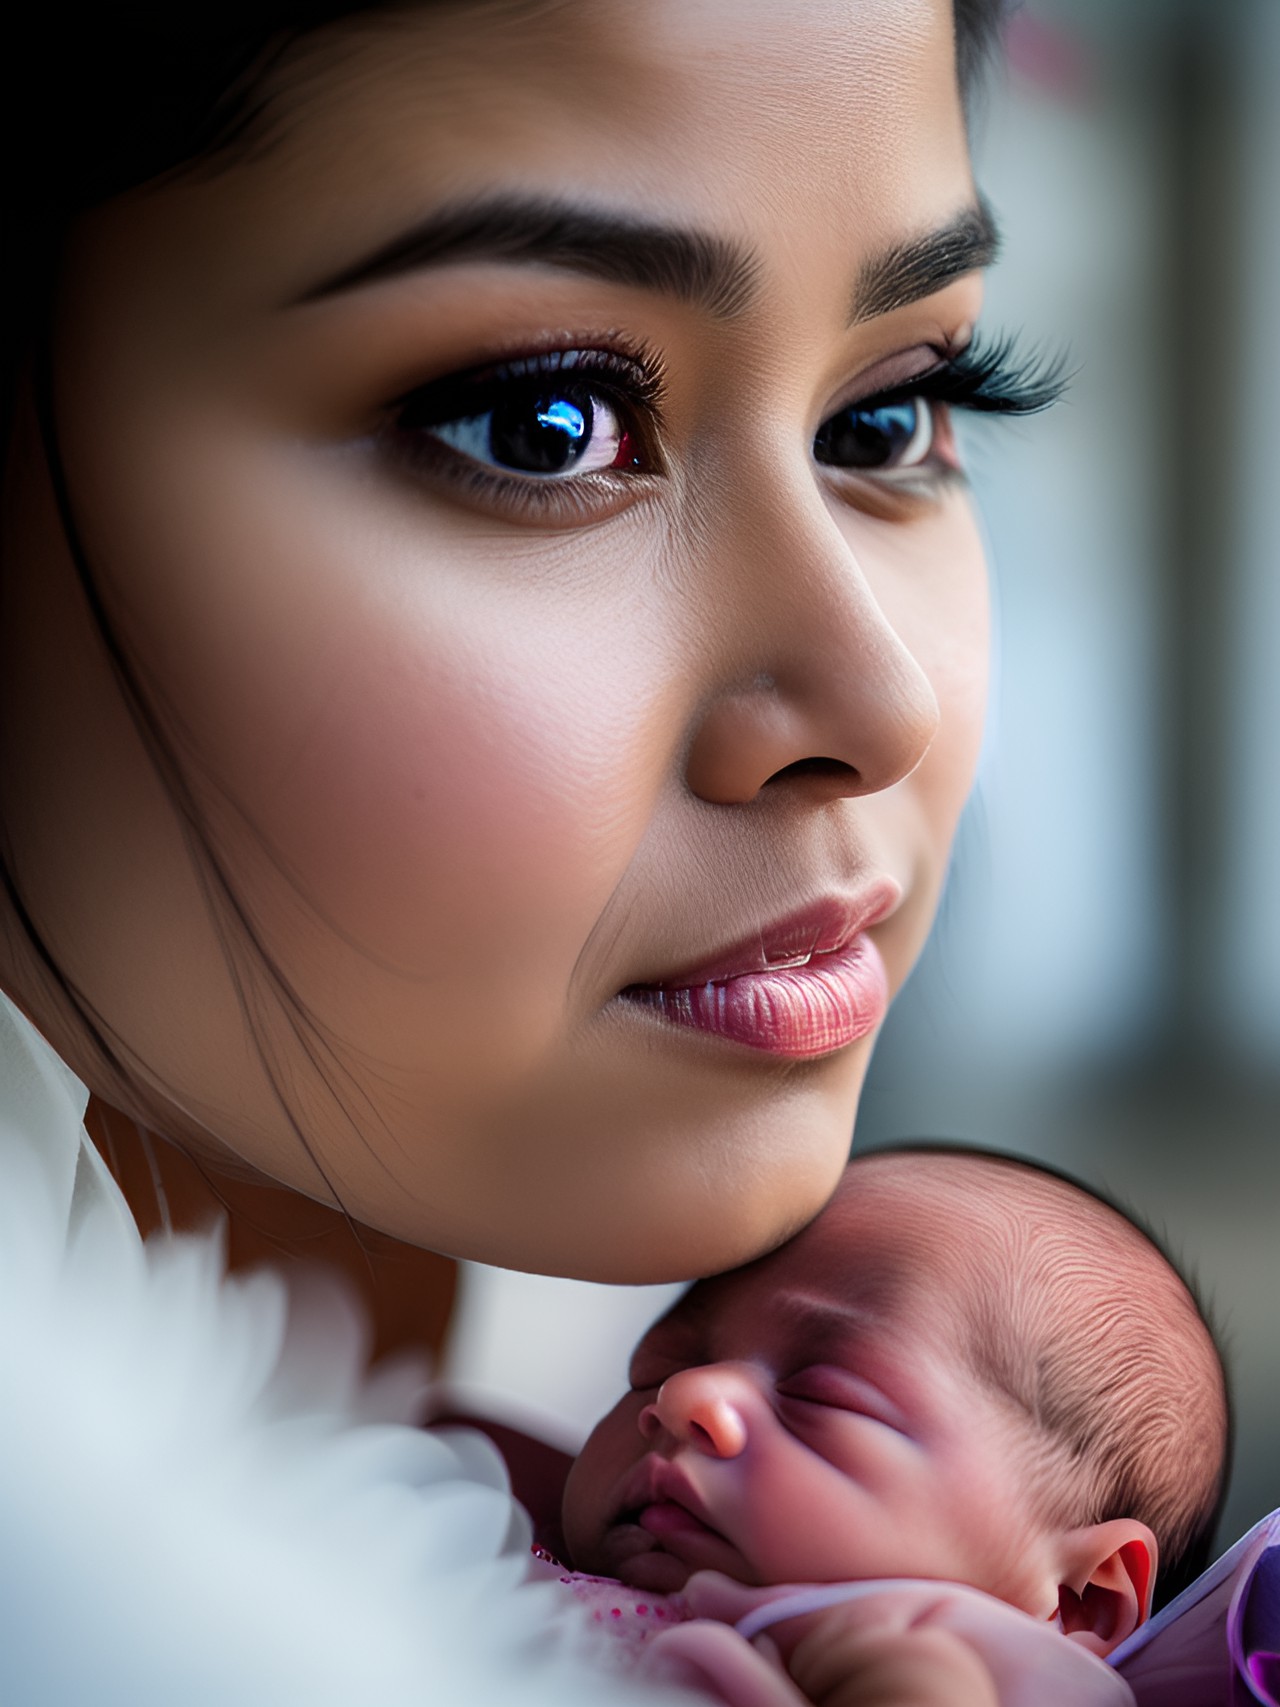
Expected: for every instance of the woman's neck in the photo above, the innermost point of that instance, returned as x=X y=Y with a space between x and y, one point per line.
x=407 y=1293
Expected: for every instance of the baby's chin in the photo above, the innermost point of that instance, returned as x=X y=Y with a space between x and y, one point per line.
x=661 y=1562
x=656 y=1572
x=633 y=1556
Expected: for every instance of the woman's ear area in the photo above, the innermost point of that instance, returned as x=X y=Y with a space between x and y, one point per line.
x=1108 y=1575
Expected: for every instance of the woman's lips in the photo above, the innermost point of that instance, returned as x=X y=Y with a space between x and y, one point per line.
x=802 y=987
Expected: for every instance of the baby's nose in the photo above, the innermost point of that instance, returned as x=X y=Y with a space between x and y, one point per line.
x=704 y=1407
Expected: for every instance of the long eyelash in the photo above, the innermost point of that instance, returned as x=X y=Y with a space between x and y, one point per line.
x=636 y=373
x=992 y=379
x=987 y=378
x=630 y=376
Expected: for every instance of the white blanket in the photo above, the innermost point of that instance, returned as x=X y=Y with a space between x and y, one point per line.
x=203 y=1502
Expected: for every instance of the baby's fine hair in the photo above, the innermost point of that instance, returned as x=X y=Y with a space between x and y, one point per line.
x=1081 y=1319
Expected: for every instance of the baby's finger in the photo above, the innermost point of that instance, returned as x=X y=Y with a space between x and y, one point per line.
x=789 y=1612
x=714 y=1658
x=914 y=1668
x=710 y=1595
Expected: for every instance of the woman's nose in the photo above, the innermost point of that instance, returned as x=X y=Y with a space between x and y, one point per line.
x=837 y=705
x=705 y=1408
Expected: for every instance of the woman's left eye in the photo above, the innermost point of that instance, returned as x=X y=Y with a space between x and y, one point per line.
x=887 y=437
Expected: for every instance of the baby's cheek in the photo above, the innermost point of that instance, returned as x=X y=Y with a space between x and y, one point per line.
x=595 y=1474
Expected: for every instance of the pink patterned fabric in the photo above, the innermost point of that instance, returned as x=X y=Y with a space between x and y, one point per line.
x=631 y=1616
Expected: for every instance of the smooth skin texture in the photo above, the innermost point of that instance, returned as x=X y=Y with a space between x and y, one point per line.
x=473 y=767
x=814 y=1418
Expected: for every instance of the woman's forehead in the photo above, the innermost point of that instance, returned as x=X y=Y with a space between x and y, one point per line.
x=817 y=133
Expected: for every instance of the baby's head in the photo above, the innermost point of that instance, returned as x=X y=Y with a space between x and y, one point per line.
x=965 y=1368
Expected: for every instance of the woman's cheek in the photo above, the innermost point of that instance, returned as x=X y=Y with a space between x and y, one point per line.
x=960 y=667
x=942 y=609
x=485 y=811
x=444 y=746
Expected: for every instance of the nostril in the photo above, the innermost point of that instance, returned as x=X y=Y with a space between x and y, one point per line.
x=834 y=770
x=702 y=1436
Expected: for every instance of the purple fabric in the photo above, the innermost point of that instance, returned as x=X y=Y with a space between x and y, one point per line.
x=1253 y=1628
x=1218 y=1644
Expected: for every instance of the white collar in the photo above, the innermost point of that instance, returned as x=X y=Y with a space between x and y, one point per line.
x=42 y=1134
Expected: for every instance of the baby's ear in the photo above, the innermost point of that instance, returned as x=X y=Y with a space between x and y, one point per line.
x=1108 y=1575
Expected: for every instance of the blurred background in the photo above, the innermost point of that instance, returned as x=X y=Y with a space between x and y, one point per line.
x=1103 y=988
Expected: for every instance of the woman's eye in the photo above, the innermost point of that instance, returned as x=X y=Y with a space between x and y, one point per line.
x=878 y=438
x=538 y=423
x=543 y=433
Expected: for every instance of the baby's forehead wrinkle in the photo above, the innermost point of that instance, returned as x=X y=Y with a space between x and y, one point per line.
x=818 y=1317
x=821 y=1308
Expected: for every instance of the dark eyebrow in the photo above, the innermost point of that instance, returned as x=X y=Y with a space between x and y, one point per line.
x=919 y=266
x=694 y=266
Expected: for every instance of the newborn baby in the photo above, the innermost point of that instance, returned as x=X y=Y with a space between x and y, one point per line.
x=965 y=1369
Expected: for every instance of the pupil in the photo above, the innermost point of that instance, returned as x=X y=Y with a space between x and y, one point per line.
x=539 y=433
x=866 y=438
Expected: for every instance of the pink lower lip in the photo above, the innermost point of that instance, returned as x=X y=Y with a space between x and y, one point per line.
x=797 y=1011
x=666 y=1517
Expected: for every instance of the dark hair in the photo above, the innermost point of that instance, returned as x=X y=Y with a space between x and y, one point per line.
x=99 y=98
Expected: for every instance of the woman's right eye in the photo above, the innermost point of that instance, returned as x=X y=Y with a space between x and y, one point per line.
x=540 y=433
x=541 y=422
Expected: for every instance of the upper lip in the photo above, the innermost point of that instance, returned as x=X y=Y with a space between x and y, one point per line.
x=655 y=1480
x=824 y=927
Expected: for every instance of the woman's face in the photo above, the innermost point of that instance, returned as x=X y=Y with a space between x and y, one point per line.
x=536 y=617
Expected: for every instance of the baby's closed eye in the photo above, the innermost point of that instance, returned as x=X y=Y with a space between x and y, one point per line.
x=835 y=1388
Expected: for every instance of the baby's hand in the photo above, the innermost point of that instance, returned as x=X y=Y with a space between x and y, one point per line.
x=845 y=1656
x=852 y=1656
x=892 y=1645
